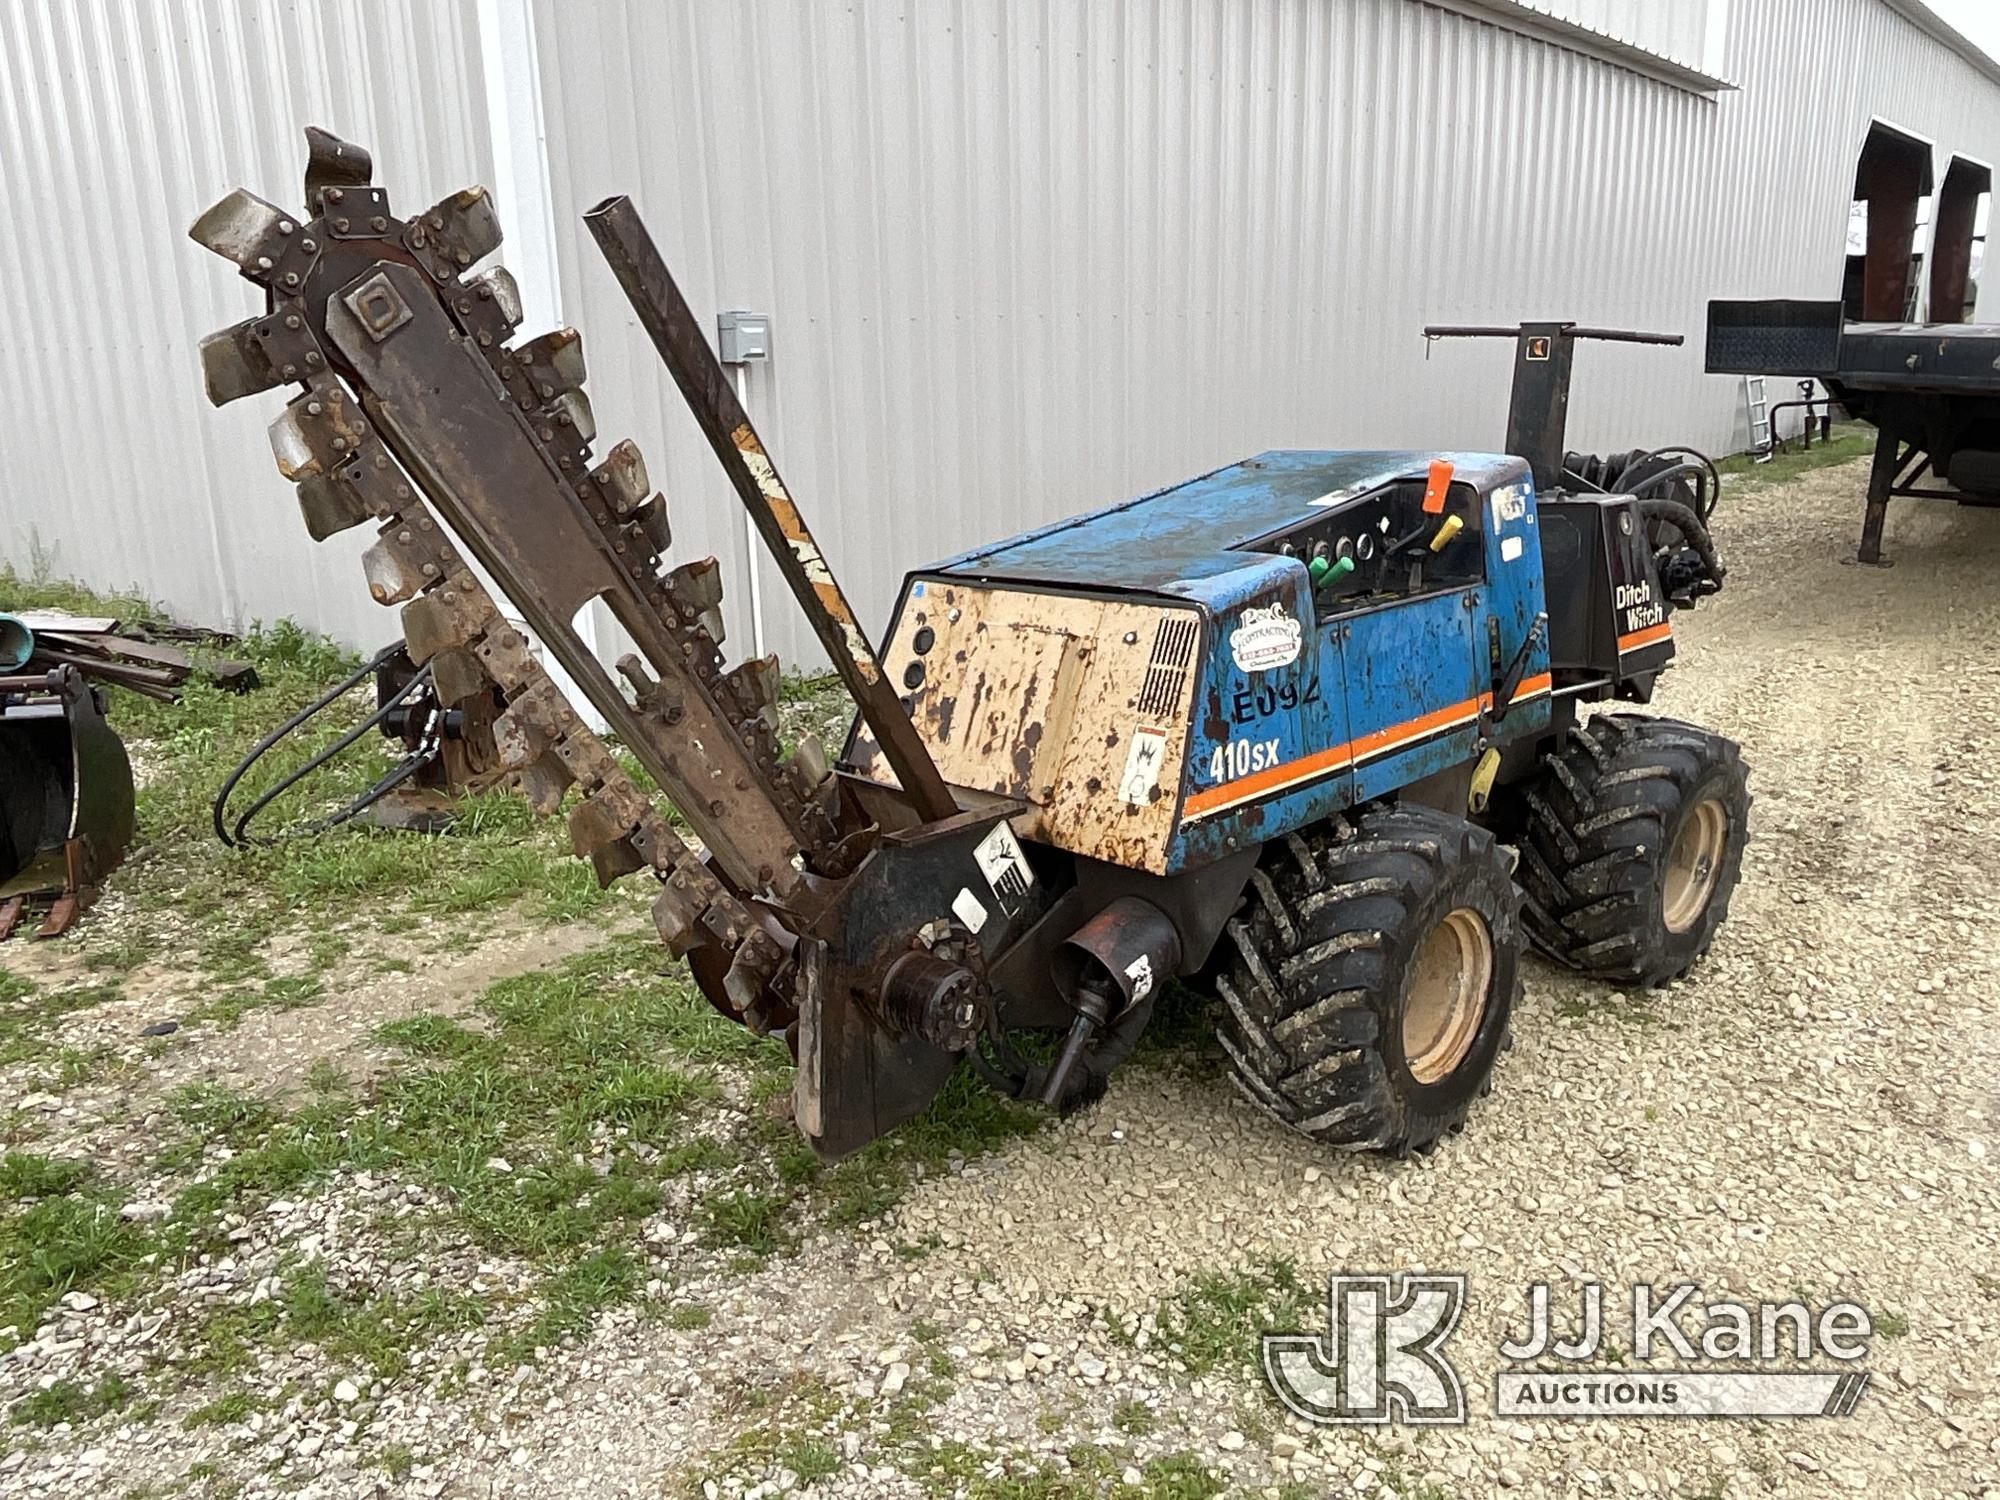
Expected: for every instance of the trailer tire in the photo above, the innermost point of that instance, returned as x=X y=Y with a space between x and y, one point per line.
x=1632 y=847
x=1372 y=978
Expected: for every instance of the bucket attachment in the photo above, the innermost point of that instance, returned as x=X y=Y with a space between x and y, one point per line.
x=65 y=798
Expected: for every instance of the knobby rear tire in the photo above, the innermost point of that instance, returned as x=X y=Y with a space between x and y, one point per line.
x=1602 y=822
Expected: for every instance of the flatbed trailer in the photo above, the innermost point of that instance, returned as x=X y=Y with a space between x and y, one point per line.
x=1931 y=391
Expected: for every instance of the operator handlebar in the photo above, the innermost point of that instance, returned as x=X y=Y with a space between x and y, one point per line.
x=1610 y=335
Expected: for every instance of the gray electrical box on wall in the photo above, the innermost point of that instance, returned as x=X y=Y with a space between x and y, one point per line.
x=742 y=337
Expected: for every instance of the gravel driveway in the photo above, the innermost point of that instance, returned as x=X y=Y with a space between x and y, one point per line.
x=1810 y=1115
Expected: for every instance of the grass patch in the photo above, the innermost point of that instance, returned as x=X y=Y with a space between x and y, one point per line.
x=1178 y=1476
x=26 y=1175
x=63 y=1242
x=1851 y=440
x=428 y=1036
x=793 y=1415
x=1216 y=1320
x=28 y=1016
x=1134 y=1418
x=226 y=1410
x=356 y=1327
x=73 y=1402
x=966 y=1119
x=573 y=1296
x=1610 y=1005
x=744 y=1219
x=1088 y=1472
x=547 y=1129
x=219 y=1114
x=72 y=1066
x=397 y=1460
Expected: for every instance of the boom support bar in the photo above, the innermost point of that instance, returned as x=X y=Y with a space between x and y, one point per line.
x=621 y=235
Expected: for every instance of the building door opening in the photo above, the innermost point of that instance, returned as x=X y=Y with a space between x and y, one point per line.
x=1891 y=181
x=1961 y=211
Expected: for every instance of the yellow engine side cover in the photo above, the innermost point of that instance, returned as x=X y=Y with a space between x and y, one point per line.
x=1076 y=705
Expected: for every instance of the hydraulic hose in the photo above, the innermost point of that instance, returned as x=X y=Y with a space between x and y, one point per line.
x=1620 y=473
x=1671 y=475
x=1707 y=499
x=1683 y=519
x=401 y=772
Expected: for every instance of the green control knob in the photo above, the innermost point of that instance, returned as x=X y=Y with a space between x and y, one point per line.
x=1323 y=572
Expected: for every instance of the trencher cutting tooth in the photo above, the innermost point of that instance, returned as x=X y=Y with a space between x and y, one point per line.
x=317 y=433
x=809 y=762
x=244 y=229
x=651 y=519
x=553 y=361
x=697 y=584
x=497 y=284
x=755 y=685
x=454 y=232
x=332 y=162
x=621 y=478
x=235 y=363
x=573 y=418
x=331 y=504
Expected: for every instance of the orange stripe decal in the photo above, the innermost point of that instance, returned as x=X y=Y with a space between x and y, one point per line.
x=1652 y=635
x=1337 y=757
x=1247 y=787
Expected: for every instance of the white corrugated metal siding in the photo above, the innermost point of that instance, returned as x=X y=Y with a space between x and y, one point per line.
x=120 y=121
x=1678 y=30
x=1023 y=257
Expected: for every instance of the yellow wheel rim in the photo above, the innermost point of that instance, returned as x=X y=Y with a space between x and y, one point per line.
x=1450 y=984
x=1694 y=864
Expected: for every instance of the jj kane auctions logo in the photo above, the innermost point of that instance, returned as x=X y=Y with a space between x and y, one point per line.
x=1382 y=1358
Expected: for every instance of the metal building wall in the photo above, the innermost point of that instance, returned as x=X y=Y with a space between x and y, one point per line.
x=1023 y=256
x=120 y=120
x=1686 y=36
x=1026 y=258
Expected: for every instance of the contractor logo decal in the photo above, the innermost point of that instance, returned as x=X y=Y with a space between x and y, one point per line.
x=1264 y=637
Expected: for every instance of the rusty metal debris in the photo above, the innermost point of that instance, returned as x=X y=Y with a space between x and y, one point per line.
x=123 y=653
